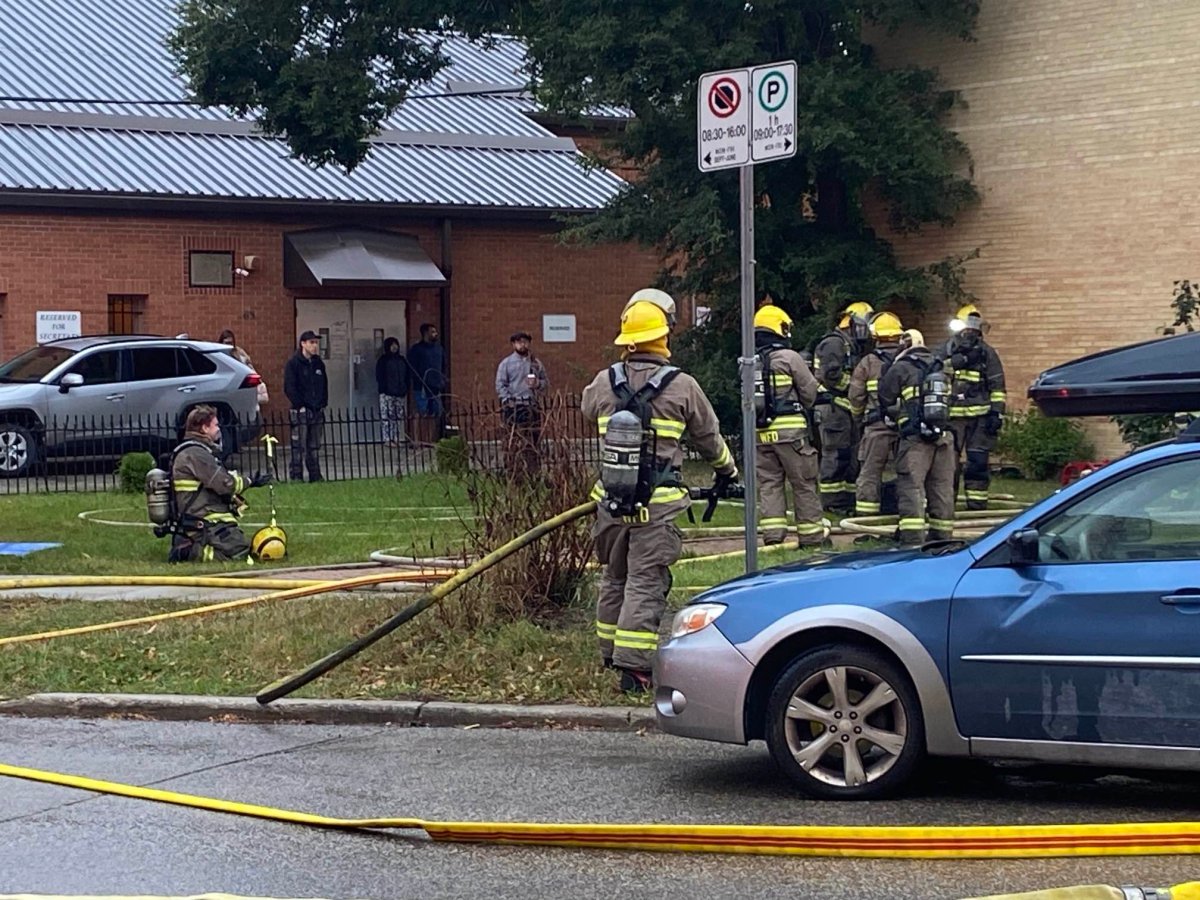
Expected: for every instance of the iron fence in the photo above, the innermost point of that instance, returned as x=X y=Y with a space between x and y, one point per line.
x=83 y=454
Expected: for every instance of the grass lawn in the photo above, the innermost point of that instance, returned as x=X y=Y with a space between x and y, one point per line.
x=239 y=652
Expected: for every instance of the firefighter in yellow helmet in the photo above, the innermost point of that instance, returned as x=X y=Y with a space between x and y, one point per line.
x=784 y=392
x=834 y=359
x=877 y=446
x=643 y=406
x=977 y=403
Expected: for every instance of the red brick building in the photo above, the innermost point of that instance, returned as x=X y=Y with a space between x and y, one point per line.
x=143 y=213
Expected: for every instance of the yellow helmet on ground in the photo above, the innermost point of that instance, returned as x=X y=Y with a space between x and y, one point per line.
x=661 y=299
x=968 y=316
x=860 y=308
x=269 y=543
x=642 y=321
x=886 y=325
x=774 y=319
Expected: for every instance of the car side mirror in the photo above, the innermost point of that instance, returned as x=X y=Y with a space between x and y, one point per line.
x=1023 y=547
x=70 y=380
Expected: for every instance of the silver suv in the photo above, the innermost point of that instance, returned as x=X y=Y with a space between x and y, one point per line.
x=110 y=394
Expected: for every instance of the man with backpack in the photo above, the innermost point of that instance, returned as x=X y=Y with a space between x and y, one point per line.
x=834 y=359
x=877 y=446
x=784 y=391
x=978 y=401
x=915 y=392
x=643 y=407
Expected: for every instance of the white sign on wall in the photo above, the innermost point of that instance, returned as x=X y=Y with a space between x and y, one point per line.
x=54 y=325
x=558 y=329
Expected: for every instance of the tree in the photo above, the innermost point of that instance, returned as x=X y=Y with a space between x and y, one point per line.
x=326 y=73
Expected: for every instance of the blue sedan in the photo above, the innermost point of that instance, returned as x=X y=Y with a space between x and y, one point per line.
x=1070 y=634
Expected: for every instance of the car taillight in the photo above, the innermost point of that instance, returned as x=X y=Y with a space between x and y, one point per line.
x=253 y=380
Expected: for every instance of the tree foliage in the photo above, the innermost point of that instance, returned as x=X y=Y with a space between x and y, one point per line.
x=326 y=73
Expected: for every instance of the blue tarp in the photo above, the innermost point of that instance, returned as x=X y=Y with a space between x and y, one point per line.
x=15 y=548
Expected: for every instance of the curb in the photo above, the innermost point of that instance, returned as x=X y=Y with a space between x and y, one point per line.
x=190 y=708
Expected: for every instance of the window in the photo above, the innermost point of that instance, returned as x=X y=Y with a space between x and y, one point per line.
x=1150 y=515
x=125 y=313
x=150 y=363
x=196 y=363
x=208 y=268
x=102 y=367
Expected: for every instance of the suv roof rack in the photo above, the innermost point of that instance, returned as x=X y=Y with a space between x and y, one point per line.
x=111 y=338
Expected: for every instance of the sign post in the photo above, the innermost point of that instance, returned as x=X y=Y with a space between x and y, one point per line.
x=746 y=116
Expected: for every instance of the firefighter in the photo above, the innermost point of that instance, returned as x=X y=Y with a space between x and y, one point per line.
x=915 y=392
x=877 y=444
x=207 y=496
x=643 y=407
x=784 y=453
x=977 y=402
x=835 y=357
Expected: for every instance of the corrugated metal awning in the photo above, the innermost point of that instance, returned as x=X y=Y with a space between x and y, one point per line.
x=356 y=257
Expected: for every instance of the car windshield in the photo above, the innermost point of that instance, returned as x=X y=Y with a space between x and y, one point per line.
x=33 y=365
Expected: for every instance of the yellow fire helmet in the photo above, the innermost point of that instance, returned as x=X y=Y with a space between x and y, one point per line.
x=661 y=299
x=968 y=316
x=860 y=308
x=914 y=338
x=774 y=319
x=269 y=543
x=886 y=326
x=643 y=321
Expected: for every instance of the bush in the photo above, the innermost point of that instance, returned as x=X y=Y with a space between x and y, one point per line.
x=131 y=472
x=1040 y=445
x=453 y=457
x=1138 y=431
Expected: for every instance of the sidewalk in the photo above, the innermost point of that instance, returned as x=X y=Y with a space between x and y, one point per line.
x=184 y=707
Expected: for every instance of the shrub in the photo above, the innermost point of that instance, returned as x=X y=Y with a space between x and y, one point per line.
x=1041 y=445
x=453 y=457
x=131 y=472
x=1138 y=431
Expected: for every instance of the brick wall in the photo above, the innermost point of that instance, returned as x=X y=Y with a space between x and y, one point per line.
x=1081 y=118
x=505 y=276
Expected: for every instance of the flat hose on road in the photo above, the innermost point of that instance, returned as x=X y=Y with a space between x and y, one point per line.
x=293 y=682
x=889 y=841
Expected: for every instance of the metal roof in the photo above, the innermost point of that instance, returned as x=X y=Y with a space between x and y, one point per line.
x=442 y=148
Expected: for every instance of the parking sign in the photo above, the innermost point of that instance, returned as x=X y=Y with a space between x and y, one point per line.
x=773 y=112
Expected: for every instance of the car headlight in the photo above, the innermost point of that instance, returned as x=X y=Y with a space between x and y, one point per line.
x=692 y=618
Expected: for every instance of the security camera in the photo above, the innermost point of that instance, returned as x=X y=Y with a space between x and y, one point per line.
x=240 y=271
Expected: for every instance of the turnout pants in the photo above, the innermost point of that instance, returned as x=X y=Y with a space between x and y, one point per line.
x=305 y=443
x=971 y=438
x=634 y=585
x=839 y=467
x=219 y=541
x=925 y=479
x=777 y=466
x=875 y=451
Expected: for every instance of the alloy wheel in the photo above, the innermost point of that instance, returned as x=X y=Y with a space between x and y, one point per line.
x=14 y=451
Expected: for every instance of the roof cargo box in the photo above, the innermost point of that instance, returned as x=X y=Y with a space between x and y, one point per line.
x=1159 y=376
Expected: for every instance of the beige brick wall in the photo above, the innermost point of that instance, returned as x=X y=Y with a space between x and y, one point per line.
x=1083 y=118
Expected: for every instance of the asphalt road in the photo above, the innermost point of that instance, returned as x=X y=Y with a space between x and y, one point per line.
x=58 y=840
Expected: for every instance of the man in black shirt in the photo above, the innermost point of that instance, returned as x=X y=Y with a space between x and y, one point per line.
x=307 y=390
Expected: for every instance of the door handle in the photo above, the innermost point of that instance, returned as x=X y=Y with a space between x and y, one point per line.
x=115 y=397
x=1181 y=599
x=186 y=389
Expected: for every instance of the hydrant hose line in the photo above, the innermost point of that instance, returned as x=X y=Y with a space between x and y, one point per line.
x=293 y=682
x=889 y=841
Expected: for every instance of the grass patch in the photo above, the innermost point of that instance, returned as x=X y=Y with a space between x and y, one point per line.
x=328 y=522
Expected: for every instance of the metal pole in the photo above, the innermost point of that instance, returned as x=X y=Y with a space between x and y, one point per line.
x=746 y=363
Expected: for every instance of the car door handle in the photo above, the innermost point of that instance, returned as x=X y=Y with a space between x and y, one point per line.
x=186 y=389
x=115 y=397
x=1181 y=599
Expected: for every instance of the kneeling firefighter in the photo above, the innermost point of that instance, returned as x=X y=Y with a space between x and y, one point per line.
x=784 y=391
x=203 y=497
x=643 y=407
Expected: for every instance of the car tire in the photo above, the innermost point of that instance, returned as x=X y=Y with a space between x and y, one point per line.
x=18 y=450
x=835 y=747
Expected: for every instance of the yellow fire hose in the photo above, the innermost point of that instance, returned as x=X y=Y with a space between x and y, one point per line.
x=314 y=588
x=1188 y=891
x=890 y=841
x=53 y=581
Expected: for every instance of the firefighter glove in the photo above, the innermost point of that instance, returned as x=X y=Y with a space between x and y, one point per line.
x=260 y=479
x=959 y=360
x=993 y=423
